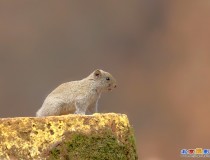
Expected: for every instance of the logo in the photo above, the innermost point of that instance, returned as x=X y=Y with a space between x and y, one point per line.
x=198 y=151
x=195 y=153
x=206 y=151
x=184 y=151
x=191 y=151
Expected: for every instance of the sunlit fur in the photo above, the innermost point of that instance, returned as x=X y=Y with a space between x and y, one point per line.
x=79 y=97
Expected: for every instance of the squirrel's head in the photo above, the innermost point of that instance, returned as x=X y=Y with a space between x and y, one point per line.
x=104 y=80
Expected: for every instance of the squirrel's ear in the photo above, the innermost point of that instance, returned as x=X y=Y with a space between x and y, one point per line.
x=97 y=73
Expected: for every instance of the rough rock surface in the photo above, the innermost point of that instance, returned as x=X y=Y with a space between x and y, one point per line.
x=71 y=137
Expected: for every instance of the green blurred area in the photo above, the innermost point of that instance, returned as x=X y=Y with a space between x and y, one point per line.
x=158 y=51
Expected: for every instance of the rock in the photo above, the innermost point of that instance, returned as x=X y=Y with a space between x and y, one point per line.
x=70 y=137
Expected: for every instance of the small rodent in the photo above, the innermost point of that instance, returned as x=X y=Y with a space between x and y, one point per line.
x=79 y=97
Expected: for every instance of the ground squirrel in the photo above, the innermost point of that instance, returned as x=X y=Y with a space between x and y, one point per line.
x=79 y=97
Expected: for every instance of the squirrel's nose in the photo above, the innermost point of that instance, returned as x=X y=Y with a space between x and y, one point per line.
x=115 y=86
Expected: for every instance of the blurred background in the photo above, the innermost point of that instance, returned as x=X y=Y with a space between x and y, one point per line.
x=158 y=50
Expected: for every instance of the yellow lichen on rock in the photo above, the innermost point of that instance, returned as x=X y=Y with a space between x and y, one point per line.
x=55 y=137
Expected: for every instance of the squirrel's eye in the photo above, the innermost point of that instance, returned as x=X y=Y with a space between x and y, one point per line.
x=107 y=78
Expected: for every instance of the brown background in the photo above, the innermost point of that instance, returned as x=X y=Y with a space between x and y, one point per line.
x=158 y=50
